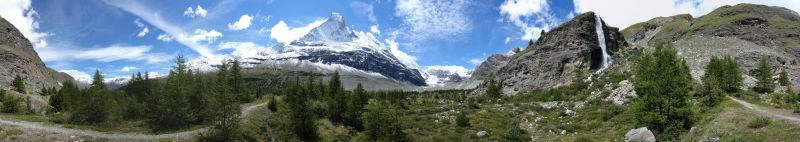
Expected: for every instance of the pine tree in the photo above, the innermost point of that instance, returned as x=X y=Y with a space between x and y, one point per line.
x=731 y=77
x=784 y=79
x=765 y=83
x=338 y=102
x=300 y=113
x=237 y=83
x=382 y=124
x=355 y=106
x=19 y=84
x=663 y=83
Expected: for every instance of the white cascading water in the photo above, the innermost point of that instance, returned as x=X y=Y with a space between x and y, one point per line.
x=601 y=40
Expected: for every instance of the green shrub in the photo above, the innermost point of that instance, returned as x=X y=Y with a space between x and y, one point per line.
x=759 y=122
x=462 y=120
x=514 y=133
x=273 y=105
x=11 y=104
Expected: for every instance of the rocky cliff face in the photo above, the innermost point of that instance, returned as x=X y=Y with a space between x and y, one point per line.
x=747 y=32
x=561 y=56
x=18 y=57
x=488 y=67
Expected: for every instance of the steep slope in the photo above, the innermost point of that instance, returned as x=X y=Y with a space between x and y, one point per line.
x=568 y=53
x=747 y=32
x=17 y=57
x=492 y=64
x=333 y=46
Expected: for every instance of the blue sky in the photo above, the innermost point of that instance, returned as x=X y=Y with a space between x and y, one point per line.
x=121 y=37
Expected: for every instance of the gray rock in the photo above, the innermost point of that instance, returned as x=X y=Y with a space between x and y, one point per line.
x=17 y=57
x=569 y=112
x=565 y=54
x=482 y=134
x=492 y=64
x=640 y=135
x=622 y=94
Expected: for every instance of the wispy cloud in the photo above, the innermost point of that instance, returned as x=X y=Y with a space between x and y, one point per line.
x=144 y=31
x=105 y=54
x=364 y=9
x=243 y=23
x=434 y=19
x=128 y=68
x=175 y=31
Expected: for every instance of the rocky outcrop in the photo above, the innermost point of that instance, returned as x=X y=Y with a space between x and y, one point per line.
x=747 y=32
x=17 y=57
x=563 y=55
x=640 y=135
x=492 y=64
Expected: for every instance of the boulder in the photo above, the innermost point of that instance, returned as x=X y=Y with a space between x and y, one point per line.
x=640 y=135
x=481 y=134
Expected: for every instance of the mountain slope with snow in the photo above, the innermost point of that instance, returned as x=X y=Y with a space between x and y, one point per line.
x=333 y=46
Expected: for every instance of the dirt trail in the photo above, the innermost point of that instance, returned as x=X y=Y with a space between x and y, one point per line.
x=772 y=113
x=58 y=129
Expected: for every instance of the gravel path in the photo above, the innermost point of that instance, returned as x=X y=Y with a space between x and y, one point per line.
x=58 y=129
x=772 y=113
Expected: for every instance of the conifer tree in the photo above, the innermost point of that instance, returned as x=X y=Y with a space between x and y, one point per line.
x=237 y=83
x=338 y=102
x=765 y=83
x=663 y=83
x=784 y=79
x=355 y=106
x=19 y=84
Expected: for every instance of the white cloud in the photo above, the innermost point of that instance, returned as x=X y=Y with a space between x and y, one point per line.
x=374 y=29
x=623 y=13
x=434 y=19
x=164 y=38
x=128 y=68
x=150 y=16
x=243 y=23
x=285 y=34
x=199 y=11
x=139 y=24
x=143 y=32
x=475 y=61
x=204 y=35
x=78 y=75
x=507 y=40
x=404 y=58
x=21 y=14
x=531 y=16
x=106 y=54
x=244 y=49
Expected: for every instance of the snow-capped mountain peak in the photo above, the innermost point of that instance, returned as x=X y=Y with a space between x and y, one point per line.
x=332 y=30
x=332 y=45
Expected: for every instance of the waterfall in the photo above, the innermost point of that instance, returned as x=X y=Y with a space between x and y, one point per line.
x=601 y=40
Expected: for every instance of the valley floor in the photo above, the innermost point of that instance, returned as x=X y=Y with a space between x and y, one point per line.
x=732 y=120
x=24 y=128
